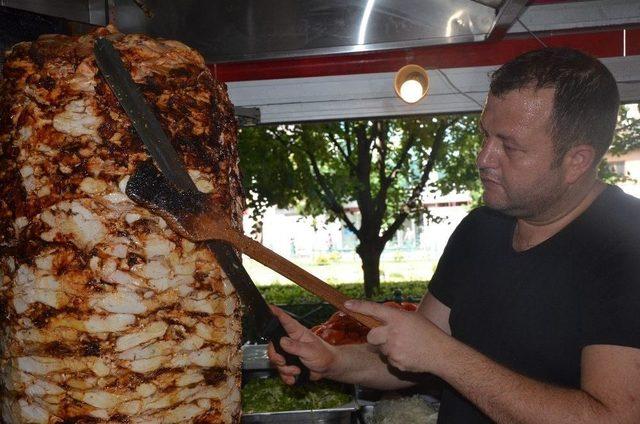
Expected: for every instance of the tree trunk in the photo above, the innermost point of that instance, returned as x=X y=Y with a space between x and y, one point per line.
x=369 y=253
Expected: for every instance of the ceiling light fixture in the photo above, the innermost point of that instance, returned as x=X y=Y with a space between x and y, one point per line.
x=411 y=83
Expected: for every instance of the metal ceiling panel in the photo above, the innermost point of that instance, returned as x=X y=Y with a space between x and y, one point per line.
x=86 y=11
x=256 y=29
x=578 y=15
x=505 y=18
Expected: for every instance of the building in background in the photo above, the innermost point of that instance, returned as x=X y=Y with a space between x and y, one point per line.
x=295 y=236
x=629 y=166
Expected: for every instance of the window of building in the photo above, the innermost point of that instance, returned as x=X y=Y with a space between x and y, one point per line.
x=617 y=167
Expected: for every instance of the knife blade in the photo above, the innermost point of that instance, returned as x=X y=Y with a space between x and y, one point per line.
x=170 y=164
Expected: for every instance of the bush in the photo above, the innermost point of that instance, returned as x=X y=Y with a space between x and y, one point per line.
x=289 y=294
x=327 y=258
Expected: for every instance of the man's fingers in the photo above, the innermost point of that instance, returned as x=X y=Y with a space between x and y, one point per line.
x=377 y=336
x=298 y=348
x=376 y=310
x=289 y=370
x=290 y=325
x=288 y=380
x=289 y=345
x=274 y=356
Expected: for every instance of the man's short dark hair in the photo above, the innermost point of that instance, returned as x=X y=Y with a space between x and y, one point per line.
x=586 y=99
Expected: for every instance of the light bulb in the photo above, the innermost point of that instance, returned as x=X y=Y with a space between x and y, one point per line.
x=411 y=91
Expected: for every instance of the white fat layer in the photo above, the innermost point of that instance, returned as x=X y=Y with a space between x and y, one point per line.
x=77 y=119
x=75 y=220
x=120 y=302
x=153 y=269
x=40 y=365
x=98 y=398
x=30 y=288
x=93 y=186
x=32 y=413
x=181 y=414
x=148 y=333
x=146 y=389
x=157 y=246
x=110 y=323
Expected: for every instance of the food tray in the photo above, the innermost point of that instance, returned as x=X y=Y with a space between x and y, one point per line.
x=255 y=364
x=343 y=415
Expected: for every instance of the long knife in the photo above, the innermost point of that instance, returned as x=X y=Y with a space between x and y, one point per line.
x=168 y=161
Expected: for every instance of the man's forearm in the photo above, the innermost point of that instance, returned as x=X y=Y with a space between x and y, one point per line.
x=361 y=364
x=508 y=397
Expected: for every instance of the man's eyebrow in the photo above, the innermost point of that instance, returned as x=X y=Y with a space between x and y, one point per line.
x=503 y=137
x=509 y=139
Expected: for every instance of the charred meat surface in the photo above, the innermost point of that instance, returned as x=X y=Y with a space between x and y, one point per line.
x=108 y=315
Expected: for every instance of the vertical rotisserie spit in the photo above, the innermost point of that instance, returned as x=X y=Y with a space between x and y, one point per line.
x=106 y=314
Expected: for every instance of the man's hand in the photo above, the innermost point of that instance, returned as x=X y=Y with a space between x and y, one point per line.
x=408 y=340
x=314 y=352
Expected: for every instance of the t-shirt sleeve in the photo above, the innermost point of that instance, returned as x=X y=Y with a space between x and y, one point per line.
x=612 y=301
x=443 y=284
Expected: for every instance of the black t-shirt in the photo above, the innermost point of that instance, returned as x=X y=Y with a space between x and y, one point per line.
x=534 y=311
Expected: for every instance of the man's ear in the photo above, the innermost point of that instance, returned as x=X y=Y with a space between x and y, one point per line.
x=578 y=161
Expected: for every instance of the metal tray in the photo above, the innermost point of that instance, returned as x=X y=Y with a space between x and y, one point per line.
x=343 y=415
x=256 y=364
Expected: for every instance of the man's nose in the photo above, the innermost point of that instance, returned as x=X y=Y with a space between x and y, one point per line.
x=488 y=156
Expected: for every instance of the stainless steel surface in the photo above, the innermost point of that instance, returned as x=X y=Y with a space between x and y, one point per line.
x=253 y=29
x=367 y=412
x=98 y=12
x=320 y=416
x=506 y=17
x=491 y=3
x=254 y=357
x=88 y=11
x=247 y=116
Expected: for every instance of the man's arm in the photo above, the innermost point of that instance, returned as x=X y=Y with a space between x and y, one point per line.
x=609 y=393
x=610 y=388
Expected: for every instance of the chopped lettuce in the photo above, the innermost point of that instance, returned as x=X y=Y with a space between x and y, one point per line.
x=272 y=395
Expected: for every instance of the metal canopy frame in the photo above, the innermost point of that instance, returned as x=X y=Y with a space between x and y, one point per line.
x=506 y=17
x=94 y=12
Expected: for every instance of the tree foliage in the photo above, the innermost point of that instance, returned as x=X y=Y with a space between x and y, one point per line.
x=383 y=166
x=625 y=140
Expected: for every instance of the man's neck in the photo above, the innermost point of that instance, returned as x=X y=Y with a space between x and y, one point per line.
x=531 y=232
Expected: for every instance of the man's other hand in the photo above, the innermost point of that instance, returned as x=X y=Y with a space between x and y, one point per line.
x=315 y=353
x=408 y=340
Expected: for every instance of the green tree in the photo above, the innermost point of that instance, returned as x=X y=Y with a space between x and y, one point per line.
x=626 y=139
x=384 y=166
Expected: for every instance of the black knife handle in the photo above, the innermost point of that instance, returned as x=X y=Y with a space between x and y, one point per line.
x=273 y=332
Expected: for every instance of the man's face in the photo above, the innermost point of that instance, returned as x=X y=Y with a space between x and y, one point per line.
x=516 y=163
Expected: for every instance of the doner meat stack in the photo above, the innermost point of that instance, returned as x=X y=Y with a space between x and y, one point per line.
x=106 y=315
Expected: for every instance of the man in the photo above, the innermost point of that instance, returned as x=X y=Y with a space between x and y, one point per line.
x=533 y=314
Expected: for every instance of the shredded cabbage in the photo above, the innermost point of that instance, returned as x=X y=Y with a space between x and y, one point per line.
x=272 y=395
